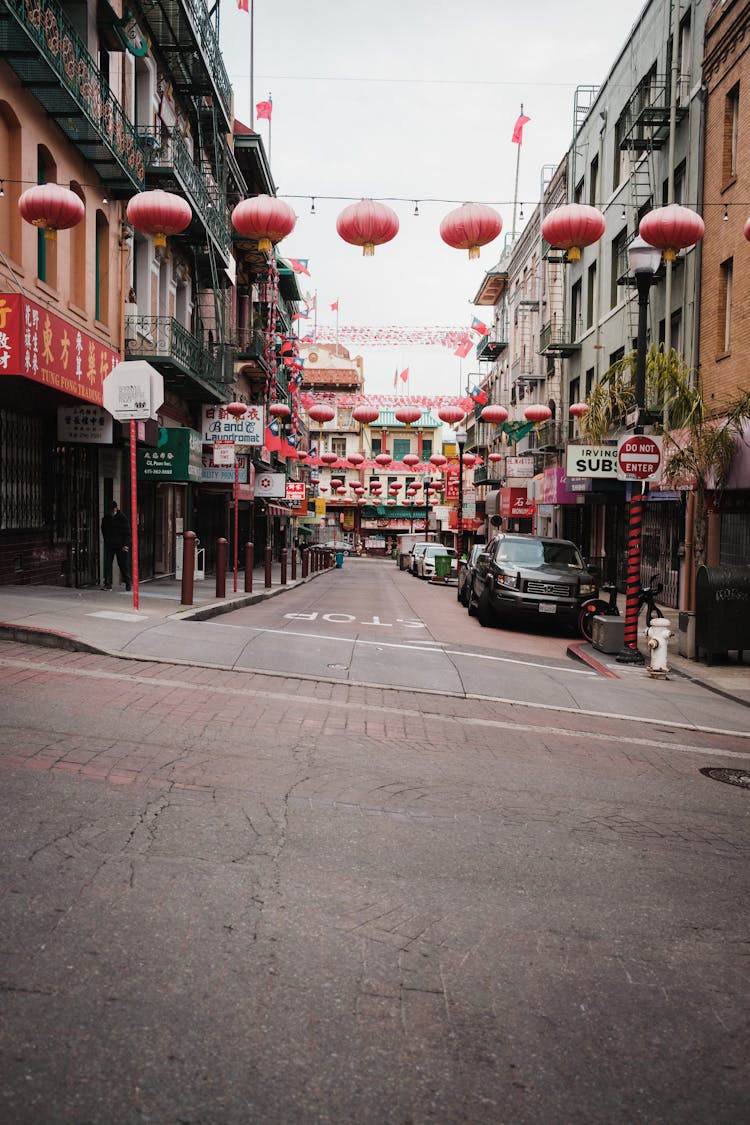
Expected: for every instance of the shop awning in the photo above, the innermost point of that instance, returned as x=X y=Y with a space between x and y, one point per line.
x=278 y=510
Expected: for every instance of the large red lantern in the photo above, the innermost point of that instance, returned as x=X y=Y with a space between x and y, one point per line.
x=579 y=409
x=573 y=226
x=355 y=459
x=494 y=414
x=365 y=414
x=160 y=214
x=451 y=414
x=410 y=459
x=367 y=224
x=329 y=458
x=471 y=226
x=407 y=414
x=495 y=457
x=279 y=410
x=51 y=208
x=266 y=218
x=319 y=412
x=438 y=459
x=468 y=459
x=537 y=414
x=236 y=409
x=671 y=229
x=383 y=459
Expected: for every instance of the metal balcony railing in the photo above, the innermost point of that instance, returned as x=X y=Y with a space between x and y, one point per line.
x=490 y=350
x=50 y=58
x=560 y=337
x=548 y=435
x=170 y=164
x=169 y=346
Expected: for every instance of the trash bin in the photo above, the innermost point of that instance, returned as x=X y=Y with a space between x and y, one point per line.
x=339 y=559
x=442 y=566
x=403 y=562
x=722 y=610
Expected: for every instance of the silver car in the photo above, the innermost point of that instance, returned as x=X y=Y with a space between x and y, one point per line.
x=426 y=563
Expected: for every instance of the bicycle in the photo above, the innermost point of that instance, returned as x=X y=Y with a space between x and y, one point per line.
x=593 y=606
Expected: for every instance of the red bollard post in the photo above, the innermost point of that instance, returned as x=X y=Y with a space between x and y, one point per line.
x=305 y=562
x=284 y=556
x=249 y=563
x=221 y=568
x=294 y=564
x=267 y=559
x=188 y=567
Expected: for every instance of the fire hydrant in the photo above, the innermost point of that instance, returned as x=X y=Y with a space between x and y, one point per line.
x=658 y=634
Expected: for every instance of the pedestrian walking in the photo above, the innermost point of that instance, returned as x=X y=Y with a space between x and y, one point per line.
x=116 y=536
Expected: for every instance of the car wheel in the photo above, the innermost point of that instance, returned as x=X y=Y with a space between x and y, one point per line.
x=471 y=604
x=485 y=612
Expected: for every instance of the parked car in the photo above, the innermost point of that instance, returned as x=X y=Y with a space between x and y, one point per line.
x=466 y=571
x=426 y=563
x=417 y=550
x=529 y=575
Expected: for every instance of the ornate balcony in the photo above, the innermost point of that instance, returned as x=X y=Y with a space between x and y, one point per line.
x=172 y=168
x=488 y=351
x=560 y=338
x=50 y=59
x=189 y=41
x=186 y=365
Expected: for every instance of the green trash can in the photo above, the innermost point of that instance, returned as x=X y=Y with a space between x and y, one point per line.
x=442 y=566
x=339 y=559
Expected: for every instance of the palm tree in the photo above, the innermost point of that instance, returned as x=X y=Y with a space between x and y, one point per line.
x=699 y=444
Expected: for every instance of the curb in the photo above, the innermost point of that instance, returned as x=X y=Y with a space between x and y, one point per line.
x=577 y=652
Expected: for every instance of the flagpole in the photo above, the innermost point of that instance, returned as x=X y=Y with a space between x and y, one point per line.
x=252 y=64
x=315 y=318
x=337 y=326
x=269 y=143
x=515 y=192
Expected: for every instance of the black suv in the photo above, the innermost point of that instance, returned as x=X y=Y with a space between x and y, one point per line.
x=529 y=576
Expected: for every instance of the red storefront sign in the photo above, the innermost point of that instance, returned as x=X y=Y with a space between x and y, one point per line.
x=37 y=344
x=515 y=504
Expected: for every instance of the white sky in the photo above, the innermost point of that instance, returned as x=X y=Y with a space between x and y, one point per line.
x=416 y=100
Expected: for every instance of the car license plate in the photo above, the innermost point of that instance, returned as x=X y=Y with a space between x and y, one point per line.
x=547 y=607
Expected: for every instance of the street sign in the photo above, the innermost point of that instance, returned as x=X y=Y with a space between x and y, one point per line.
x=639 y=457
x=295 y=490
x=133 y=389
x=591 y=461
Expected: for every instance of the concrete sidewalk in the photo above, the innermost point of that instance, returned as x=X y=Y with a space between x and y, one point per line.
x=104 y=621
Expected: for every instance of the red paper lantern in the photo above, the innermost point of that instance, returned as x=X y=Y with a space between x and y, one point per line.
x=451 y=414
x=395 y=487
x=319 y=412
x=579 y=409
x=573 y=226
x=495 y=457
x=365 y=414
x=160 y=214
x=341 y=490
x=407 y=414
x=329 y=458
x=438 y=459
x=471 y=226
x=537 y=414
x=671 y=229
x=494 y=414
x=383 y=459
x=355 y=459
x=51 y=208
x=410 y=459
x=279 y=410
x=367 y=224
x=266 y=218
x=747 y=230
x=236 y=409
x=469 y=459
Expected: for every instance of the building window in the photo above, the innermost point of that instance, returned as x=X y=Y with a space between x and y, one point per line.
x=23 y=452
x=10 y=160
x=724 y=319
x=338 y=446
x=618 y=264
x=578 y=197
x=426 y=449
x=401 y=446
x=590 y=374
x=594 y=183
x=590 y=295
x=101 y=268
x=78 y=255
x=731 y=133
x=46 y=248
x=377 y=446
x=575 y=309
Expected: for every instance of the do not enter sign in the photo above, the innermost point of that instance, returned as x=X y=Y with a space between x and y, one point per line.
x=639 y=457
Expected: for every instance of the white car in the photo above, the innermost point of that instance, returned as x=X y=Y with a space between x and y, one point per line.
x=416 y=553
x=426 y=563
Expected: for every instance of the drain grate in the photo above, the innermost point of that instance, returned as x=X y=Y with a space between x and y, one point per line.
x=729 y=777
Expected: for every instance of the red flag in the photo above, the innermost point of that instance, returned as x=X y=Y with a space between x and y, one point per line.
x=517 y=137
x=463 y=349
x=264 y=109
x=334 y=306
x=405 y=375
x=479 y=327
x=243 y=5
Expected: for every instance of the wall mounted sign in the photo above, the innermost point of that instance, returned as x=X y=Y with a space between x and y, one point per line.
x=218 y=425
x=176 y=458
x=85 y=423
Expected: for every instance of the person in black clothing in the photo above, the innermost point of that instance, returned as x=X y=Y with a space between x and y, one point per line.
x=116 y=535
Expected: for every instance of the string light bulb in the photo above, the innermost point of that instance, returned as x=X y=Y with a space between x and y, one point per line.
x=726 y=214
x=2 y=189
x=312 y=205
x=416 y=208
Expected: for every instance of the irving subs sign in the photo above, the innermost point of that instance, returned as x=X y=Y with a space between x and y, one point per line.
x=591 y=461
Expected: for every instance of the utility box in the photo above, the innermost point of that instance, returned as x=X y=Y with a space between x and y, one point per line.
x=608 y=633
x=686 y=634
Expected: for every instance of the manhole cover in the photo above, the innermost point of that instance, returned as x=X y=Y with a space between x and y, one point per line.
x=730 y=777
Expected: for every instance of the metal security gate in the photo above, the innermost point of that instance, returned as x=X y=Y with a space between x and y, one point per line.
x=662 y=535
x=735 y=538
x=75 y=510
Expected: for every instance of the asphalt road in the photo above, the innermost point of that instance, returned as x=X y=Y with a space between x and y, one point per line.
x=246 y=897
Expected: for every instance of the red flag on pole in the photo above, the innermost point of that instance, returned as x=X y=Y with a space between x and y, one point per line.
x=463 y=349
x=334 y=306
x=264 y=109
x=404 y=375
x=517 y=137
x=243 y=5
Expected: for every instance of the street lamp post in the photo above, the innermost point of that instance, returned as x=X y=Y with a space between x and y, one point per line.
x=427 y=483
x=460 y=442
x=644 y=262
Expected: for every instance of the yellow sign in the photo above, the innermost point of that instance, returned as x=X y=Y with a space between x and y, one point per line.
x=320 y=506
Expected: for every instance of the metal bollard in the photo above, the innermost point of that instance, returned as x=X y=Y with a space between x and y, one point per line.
x=283 y=565
x=249 y=563
x=221 y=568
x=294 y=564
x=267 y=559
x=188 y=567
x=305 y=563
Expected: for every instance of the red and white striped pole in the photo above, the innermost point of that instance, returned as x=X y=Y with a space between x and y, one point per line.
x=630 y=653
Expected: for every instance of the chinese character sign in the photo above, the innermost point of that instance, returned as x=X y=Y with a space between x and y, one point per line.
x=220 y=425
x=37 y=344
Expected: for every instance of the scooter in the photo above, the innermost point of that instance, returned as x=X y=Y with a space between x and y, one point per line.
x=608 y=608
